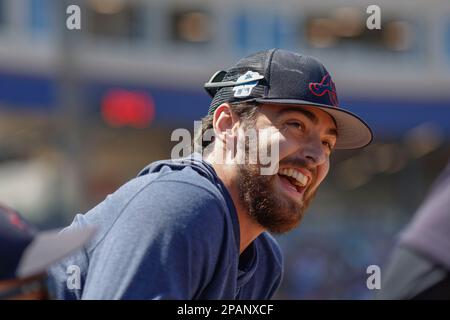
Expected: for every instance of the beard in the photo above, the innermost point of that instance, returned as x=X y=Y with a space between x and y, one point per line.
x=266 y=204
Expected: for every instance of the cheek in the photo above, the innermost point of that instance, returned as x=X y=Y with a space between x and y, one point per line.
x=286 y=147
x=271 y=139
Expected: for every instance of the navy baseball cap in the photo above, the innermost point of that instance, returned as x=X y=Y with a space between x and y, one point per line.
x=279 y=76
x=25 y=252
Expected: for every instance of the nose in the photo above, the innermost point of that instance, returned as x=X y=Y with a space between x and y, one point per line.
x=313 y=151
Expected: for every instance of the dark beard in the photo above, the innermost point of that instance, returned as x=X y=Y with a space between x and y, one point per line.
x=273 y=211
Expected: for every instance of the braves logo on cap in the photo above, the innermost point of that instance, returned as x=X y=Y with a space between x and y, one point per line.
x=325 y=86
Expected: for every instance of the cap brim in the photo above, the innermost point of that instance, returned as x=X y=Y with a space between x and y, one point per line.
x=49 y=247
x=353 y=132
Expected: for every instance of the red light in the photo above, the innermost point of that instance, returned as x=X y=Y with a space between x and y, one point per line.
x=127 y=108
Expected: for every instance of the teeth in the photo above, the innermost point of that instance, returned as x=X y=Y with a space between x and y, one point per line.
x=300 y=178
x=305 y=179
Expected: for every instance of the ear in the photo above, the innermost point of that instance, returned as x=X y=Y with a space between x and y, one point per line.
x=225 y=122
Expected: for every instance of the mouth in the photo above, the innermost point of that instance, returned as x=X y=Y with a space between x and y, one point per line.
x=293 y=182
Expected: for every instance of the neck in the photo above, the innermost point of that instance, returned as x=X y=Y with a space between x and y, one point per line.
x=249 y=229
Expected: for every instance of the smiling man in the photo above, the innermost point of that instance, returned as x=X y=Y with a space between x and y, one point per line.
x=304 y=138
x=198 y=227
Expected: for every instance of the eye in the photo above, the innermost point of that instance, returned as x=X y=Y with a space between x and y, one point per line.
x=297 y=125
x=328 y=144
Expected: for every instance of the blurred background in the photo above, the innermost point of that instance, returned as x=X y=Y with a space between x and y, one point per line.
x=82 y=111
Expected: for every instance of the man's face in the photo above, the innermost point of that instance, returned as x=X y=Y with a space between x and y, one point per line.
x=306 y=137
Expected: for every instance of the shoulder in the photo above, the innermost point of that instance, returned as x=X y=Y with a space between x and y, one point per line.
x=181 y=192
x=173 y=184
x=175 y=202
x=169 y=191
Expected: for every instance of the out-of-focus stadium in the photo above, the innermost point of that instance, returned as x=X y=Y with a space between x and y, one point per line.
x=82 y=111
